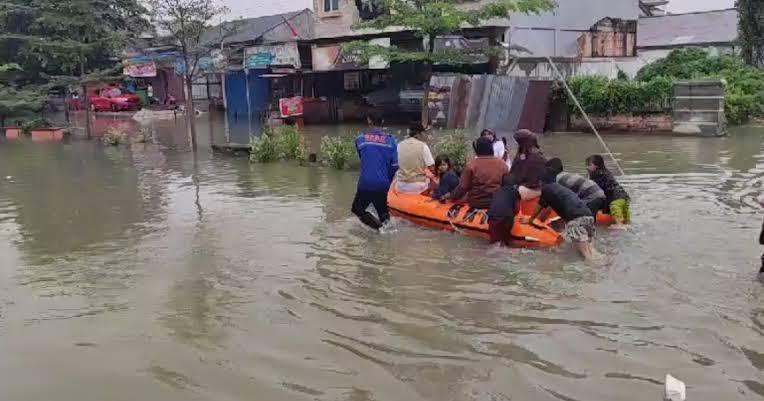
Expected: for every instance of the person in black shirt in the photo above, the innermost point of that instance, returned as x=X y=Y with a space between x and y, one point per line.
x=501 y=215
x=579 y=227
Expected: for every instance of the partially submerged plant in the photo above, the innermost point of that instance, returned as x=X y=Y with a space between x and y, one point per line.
x=263 y=149
x=114 y=137
x=338 y=151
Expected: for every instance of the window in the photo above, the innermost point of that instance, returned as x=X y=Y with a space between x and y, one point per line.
x=331 y=5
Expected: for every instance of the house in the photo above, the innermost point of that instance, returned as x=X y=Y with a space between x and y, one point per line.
x=715 y=31
x=582 y=37
x=343 y=89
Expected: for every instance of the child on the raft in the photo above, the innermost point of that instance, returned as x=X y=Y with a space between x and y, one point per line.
x=579 y=227
x=501 y=215
x=618 y=201
x=447 y=178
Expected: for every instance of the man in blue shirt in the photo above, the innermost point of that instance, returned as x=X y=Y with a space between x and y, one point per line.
x=379 y=162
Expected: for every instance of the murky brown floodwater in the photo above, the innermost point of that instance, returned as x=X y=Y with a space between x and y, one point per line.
x=136 y=274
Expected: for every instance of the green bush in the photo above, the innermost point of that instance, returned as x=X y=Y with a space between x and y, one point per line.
x=114 y=137
x=338 y=151
x=291 y=144
x=264 y=149
x=602 y=96
x=31 y=125
x=456 y=146
x=745 y=84
x=285 y=143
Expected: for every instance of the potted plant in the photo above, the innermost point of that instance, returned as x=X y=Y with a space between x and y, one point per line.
x=41 y=130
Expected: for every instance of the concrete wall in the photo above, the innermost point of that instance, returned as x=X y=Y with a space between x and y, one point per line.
x=335 y=23
x=302 y=23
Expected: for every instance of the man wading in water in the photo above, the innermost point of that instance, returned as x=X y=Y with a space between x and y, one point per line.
x=379 y=162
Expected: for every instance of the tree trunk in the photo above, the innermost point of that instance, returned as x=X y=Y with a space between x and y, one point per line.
x=190 y=111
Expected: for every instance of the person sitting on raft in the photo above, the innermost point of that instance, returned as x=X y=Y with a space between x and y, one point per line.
x=529 y=165
x=414 y=162
x=618 y=202
x=501 y=215
x=586 y=189
x=447 y=178
x=499 y=146
x=481 y=177
x=579 y=227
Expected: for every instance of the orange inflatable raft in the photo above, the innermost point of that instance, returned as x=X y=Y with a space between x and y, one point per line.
x=528 y=207
x=422 y=210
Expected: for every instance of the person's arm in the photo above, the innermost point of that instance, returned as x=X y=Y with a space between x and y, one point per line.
x=358 y=145
x=465 y=184
x=429 y=163
x=539 y=210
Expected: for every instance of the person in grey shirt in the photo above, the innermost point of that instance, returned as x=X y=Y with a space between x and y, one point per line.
x=586 y=189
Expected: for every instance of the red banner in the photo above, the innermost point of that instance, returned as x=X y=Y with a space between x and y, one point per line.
x=291 y=106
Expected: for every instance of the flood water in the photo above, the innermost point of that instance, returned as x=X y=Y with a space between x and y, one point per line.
x=136 y=273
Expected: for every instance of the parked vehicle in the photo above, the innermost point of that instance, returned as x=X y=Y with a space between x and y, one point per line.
x=111 y=98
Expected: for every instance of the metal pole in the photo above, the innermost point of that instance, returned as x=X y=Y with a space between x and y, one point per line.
x=583 y=113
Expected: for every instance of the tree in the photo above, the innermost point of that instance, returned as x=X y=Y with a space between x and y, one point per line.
x=430 y=19
x=16 y=102
x=187 y=21
x=59 y=43
x=751 y=31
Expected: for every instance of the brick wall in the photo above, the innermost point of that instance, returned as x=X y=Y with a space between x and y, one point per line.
x=661 y=123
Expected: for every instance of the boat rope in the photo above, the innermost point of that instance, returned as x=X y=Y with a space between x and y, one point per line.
x=583 y=113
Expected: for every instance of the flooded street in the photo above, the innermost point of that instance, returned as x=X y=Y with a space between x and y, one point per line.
x=135 y=273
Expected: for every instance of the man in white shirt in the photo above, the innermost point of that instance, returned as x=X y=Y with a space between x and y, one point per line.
x=414 y=162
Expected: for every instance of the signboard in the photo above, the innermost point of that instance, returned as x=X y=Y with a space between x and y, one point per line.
x=139 y=69
x=258 y=57
x=333 y=58
x=291 y=106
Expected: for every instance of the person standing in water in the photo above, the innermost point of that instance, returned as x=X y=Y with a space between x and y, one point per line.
x=379 y=162
x=529 y=166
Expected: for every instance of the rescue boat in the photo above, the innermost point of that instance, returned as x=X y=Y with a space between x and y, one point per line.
x=459 y=217
x=528 y=207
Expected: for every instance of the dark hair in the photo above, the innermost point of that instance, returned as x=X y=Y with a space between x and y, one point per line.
x=555 y=165
x=376 y=119
x=487 y=132
x=526 y=140
x=440 y=159
x=416 y=129
x=596 y=160
x=484 y=146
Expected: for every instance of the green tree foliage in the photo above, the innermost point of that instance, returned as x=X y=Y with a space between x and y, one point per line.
x=432 y=18
x=751 y=31
x=50 y=39
x=745 y=84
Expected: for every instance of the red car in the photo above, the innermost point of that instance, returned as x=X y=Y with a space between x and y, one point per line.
x=111 y=98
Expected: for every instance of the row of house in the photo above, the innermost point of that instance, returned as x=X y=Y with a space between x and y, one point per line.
x=284 y=65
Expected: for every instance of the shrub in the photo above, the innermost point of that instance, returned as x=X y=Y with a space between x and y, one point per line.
x=29 y=126
x=144 y=135
x=283 y=144
x=745 y=84
x=264 y=149
x=601 y=96
x=114 y=137
x=338 y=151
x=291 y=144
x=456 y=146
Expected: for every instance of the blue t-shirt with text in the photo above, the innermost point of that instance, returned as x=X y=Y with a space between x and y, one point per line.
x=379 y=160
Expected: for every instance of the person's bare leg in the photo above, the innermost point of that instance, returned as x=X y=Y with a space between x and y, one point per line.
x=585 y=249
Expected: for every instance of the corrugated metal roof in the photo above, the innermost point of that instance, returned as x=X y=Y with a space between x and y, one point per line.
x=250 y=29
x=719 y=26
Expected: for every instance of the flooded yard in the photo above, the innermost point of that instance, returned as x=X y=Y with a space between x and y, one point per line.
x=139 y=273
